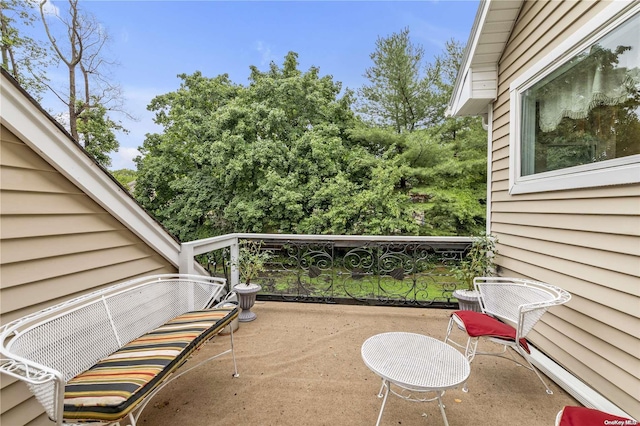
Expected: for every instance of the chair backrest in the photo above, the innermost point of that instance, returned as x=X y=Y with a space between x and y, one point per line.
x=517 y=301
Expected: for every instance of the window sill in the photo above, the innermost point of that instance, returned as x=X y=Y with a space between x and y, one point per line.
x=554 y=181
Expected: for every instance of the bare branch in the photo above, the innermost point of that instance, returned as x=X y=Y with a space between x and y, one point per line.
x=54 y=91
x=52 y=39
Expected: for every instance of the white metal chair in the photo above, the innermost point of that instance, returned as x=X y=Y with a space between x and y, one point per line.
x=510 y=309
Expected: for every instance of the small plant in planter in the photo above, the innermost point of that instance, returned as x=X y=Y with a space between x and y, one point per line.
x=252 y=260
x=479 y=262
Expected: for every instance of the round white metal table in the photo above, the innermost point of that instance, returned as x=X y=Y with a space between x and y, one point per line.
x=416 y=364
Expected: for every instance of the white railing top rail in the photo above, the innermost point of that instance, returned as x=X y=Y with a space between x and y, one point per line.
x=205 y=245
x=221 y=241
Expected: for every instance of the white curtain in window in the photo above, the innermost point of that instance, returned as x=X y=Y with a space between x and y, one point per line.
x=581 y=88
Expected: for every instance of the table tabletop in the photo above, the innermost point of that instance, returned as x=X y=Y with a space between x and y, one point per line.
x=414 y=361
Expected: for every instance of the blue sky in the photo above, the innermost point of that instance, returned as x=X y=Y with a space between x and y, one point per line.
x=154 y=41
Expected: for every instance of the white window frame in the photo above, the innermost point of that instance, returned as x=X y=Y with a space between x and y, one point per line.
x=617 y=171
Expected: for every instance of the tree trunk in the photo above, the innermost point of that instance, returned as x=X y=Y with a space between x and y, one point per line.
x=5 y=49
x=73 y=117
x=8 y=61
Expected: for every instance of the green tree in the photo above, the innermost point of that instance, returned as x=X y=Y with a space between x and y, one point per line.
x=126 y=177
x=442 y=73
x=273 y=156
x=379 y=141
x=456 y=186
x=96 y=133
x=445 y=176
x=22 y=56
x=89 y=93
x=398 y=95
x=442 y=164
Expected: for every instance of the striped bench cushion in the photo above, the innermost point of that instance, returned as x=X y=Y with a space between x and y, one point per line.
x=115 y=385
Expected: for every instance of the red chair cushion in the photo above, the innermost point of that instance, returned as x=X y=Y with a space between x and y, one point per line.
x=478 y=324
x=582 y=416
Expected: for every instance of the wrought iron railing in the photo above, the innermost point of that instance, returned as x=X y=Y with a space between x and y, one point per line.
x=409 y=271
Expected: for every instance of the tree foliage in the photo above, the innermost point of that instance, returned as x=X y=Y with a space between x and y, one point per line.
x=456 y=186
x=272 y=156
x=398 y=95
x=287 y=152
x=96 y=131
x=442 y=169
x=23 y=56
x=443 y=165
x=442 y=73
x=125 y=176
x=89 y=94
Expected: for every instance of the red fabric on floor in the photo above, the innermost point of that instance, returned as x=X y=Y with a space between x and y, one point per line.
x=582 y=416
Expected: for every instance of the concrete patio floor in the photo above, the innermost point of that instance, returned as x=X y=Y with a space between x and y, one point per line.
x=300 y=364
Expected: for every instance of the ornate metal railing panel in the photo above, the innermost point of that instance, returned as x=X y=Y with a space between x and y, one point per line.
x=359 y=270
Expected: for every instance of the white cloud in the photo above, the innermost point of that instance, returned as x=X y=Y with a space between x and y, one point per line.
x=62 y=118
x=265 y=52
x=123 y=159
x=432 y=35
x=426 y=32
x=50 y=9
x=136 y=101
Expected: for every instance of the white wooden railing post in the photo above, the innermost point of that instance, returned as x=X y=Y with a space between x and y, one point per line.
x=186 y=259
x=234 y=250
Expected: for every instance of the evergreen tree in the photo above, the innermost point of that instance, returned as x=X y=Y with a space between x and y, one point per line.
x=398 y=95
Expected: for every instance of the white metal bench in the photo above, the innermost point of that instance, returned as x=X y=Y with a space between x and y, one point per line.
x=101 y=357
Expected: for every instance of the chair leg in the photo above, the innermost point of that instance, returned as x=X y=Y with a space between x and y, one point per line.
x=449 y=328
x=472 y=342
x=470 y=350
x=535 y=370
x=470 y=354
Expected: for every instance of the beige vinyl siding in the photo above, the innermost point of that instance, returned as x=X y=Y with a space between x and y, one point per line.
x=586 y=241
x=56 y=243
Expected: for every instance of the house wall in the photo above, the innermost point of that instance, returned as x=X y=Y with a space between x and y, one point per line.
x=585 y=241
x=56 y=242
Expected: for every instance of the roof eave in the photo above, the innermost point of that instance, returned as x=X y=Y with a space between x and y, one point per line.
x=477 y=81
x=23 y=116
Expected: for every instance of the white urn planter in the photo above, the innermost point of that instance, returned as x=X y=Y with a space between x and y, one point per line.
x=247 y=295
x=468 y=300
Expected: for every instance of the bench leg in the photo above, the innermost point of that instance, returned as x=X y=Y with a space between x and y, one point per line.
x=233 y=355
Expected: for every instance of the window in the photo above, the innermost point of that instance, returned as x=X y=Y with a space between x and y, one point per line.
x=576 y=118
